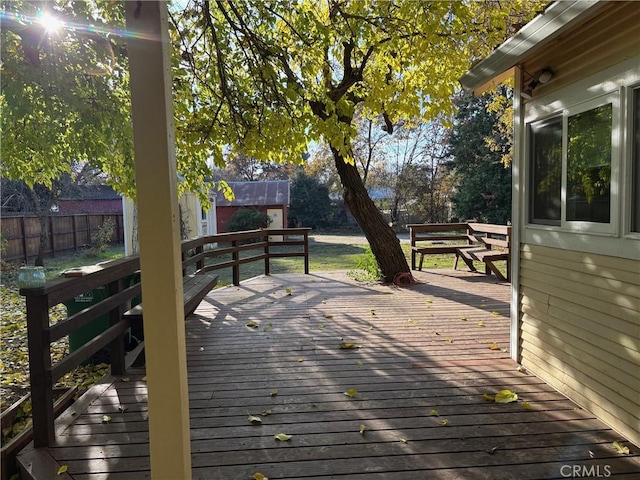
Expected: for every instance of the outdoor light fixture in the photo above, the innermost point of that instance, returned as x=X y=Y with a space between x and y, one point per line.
x=539 y=78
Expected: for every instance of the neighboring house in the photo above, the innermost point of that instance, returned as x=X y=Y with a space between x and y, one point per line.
x=90 y=199
x=271 y=197
x=576 y=187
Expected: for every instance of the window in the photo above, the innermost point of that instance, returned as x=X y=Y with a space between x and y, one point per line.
x=546 y=171
x=571 y=158
x=635 y=152
x=589 y=165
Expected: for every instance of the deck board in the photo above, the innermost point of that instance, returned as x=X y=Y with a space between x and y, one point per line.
x=420 y=349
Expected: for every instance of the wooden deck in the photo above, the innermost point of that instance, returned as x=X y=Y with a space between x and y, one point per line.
x=423 y=360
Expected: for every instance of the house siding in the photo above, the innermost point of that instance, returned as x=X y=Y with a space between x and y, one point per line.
x=608 y=38
x=580 y=330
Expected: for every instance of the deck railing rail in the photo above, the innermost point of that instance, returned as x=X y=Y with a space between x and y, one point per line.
x=200 y=254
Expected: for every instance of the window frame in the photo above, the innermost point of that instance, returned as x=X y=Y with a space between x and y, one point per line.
x=632 y=173
x=577 y=226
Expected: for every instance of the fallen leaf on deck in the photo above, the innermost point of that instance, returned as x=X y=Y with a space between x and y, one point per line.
x=506 y=396
x=62 y=469
x=362 y=429
x=123 y=408
x=449 y=340
x=434 y=413
x=266 y=412
x=259 y=476
x=492 y=450
x=624 y=450
x=464 y=319
x=521 y=369
x=283 y=437
x=347 y=345
x=494 y=346
x=352 y=392
x=444 y=422
x=202 y=349
x=106 y=419
x=288 y=290
x=300 y=360
x=359 y=363
x=495 y=314
x=404 y=440
x=326 y=315
x=481 y=324
x=428 y=300
x=488 y=398
x=273 y=393
x=254 y=419
x=526 y=405
x=252 y=324
x=124 y=379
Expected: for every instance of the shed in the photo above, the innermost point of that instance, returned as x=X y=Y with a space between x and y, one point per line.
x=271 y=197
x=576 y=194
x=91 y=199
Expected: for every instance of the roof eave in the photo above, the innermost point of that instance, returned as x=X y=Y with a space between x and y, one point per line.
x=557 y=18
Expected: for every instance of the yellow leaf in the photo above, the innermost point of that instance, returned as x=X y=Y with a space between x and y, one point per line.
x=144 y=379
x=404 y=440
x=449 y=340
x=62 y=469
x=283 y=437
x=288 y=290
x=326 y=315
x=526 y=405
x=622 y=449
x=106 y=419
x=435 y=413
x=428 y=300
x=300 y=360
x=506 y=396
x=347 y=345
x=481 y=324
x=273 y=393
x=352 y=392
x=259 y=476
x=444 y=422
x=362 y=429
x=464 y=319
x=488 y=398
x=495 y=314
x=254 y=419
x=494 y=346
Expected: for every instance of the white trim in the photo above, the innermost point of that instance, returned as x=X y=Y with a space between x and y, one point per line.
x=517 y=183
x=556 y=19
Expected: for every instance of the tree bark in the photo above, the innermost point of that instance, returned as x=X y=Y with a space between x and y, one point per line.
x=381 y=237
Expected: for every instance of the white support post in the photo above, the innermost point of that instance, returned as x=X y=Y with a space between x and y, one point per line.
x=156 y=183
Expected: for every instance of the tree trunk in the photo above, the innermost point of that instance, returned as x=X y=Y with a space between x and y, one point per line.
x=381 y=237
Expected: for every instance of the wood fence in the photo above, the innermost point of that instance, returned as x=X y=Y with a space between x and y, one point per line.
x=21 y=234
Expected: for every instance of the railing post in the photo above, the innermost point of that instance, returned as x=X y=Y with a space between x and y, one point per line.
x=235 y=255
x=199 y=263
x=306 y=252
x=267 y=261
x=117 y=347
x=40 y=369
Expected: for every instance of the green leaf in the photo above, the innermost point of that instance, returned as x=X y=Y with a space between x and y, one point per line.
x=620 y=448
x=254 y=419
x=283 y=437
x=352 y=392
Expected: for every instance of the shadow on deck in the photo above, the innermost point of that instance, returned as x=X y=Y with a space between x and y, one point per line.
x=423 y=357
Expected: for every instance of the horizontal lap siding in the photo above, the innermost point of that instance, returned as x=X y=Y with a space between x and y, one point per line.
x=580 y=330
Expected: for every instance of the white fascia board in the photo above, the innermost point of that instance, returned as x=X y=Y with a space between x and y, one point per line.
x=555 y=19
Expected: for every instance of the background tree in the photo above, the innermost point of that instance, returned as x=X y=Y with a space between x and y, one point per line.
x=271 y=77
x=477 y=148
x=310 y=203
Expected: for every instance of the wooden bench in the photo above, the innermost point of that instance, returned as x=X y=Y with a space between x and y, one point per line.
x=491 y=243
x=440 y=238
x=195 y=286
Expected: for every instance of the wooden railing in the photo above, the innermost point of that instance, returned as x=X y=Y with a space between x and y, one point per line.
x=197 y=254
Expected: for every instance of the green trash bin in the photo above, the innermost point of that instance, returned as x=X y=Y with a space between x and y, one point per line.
x=83 y=335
